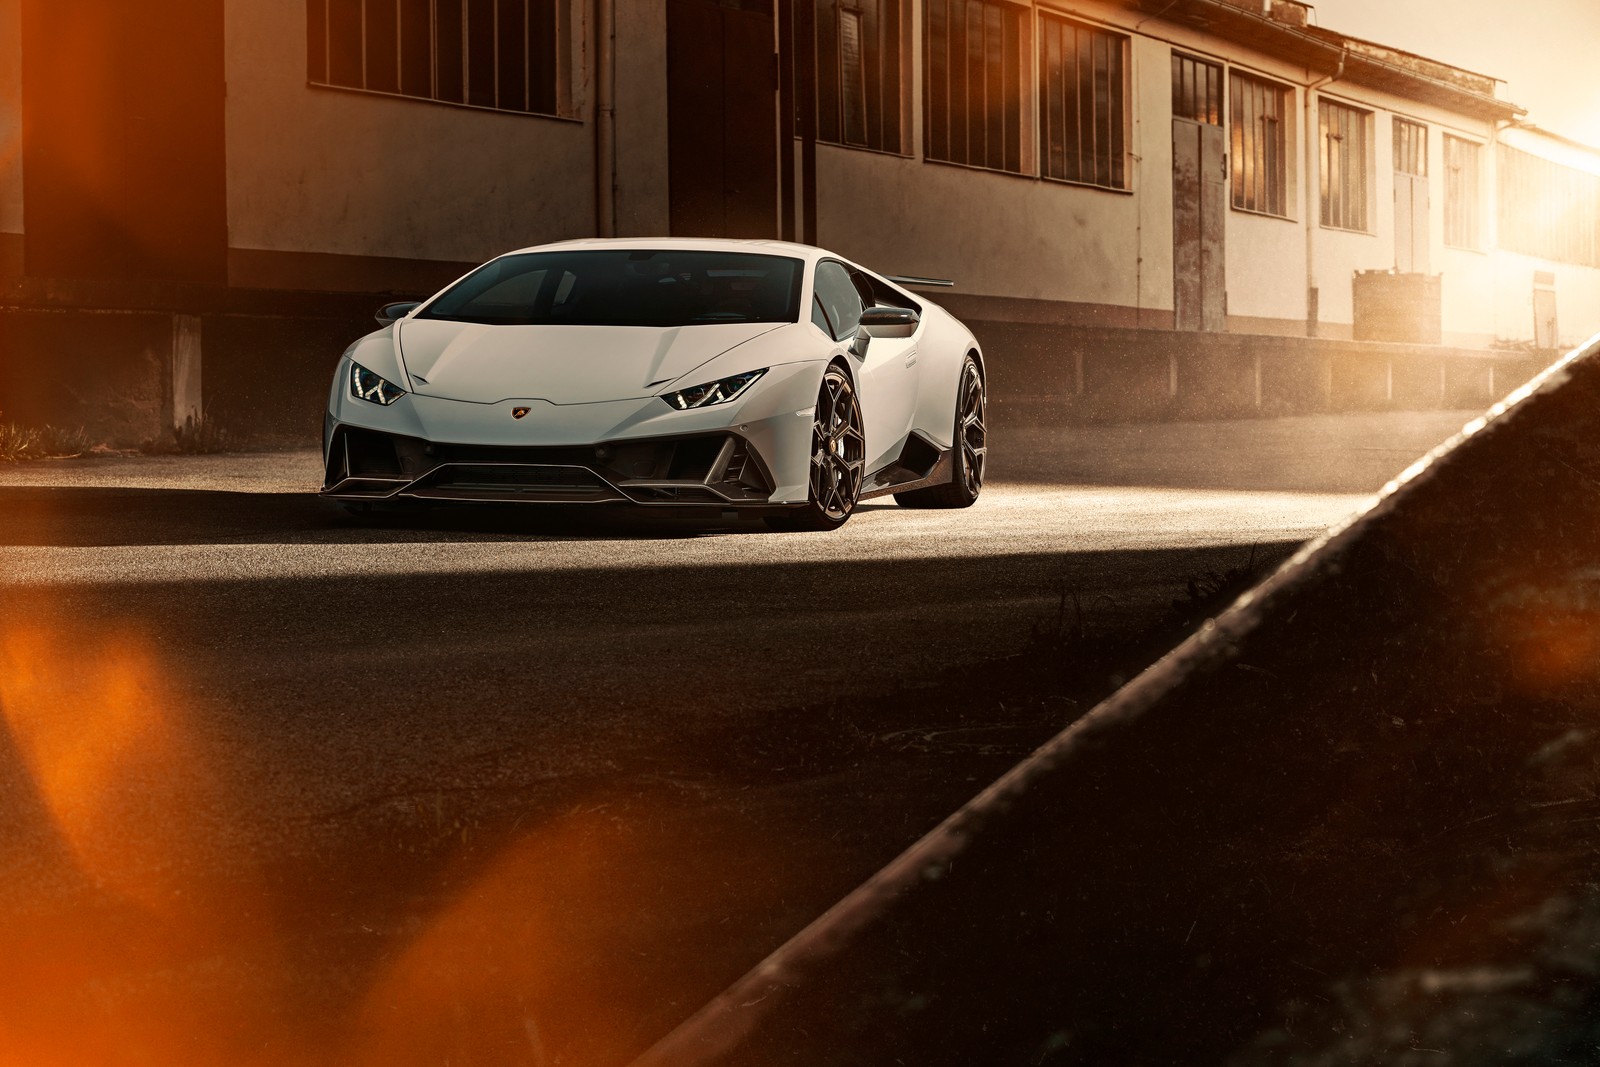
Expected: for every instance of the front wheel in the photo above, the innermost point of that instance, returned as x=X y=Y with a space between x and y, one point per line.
x=969 y=450
x=838 y=458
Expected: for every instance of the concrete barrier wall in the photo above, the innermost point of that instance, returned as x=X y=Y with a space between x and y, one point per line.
x=1082 y=373
x=130 y=365
x=110 y=371
x=1350 y=821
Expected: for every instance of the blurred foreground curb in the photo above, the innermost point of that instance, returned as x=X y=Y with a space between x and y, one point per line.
x=1353 y=819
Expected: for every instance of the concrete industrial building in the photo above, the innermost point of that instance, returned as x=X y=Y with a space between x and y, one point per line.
x=1150 y=206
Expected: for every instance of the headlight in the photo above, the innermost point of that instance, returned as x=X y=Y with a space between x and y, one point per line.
x=717 y=392
x=364 y=385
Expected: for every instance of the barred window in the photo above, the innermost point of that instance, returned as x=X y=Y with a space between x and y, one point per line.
x=1548 y=210
x=1344 y=133
x=509 y=55
x=1257 y=144
x=1196 y=90
x=860 y=72
x=1081 y=86
x=1410 y=148
x=978 y=69
x=1461 y=206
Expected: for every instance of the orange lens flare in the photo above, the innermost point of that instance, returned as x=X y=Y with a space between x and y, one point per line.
x=91 y=727
x=109 y=908
x=513 y=968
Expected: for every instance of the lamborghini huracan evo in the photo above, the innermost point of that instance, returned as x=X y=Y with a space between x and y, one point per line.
x=719 y=374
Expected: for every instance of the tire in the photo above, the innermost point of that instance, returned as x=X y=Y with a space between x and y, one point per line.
x=838 y=459
x=969 y=450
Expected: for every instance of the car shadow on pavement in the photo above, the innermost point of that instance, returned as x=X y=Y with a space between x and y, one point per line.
x=76 y=516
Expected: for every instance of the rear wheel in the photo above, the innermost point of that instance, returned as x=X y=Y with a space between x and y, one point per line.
x=838 y=459
x=969 y=450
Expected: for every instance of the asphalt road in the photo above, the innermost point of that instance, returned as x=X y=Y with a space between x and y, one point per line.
x=526 y=787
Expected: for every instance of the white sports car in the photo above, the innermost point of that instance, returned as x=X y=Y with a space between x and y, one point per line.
x=720 y=374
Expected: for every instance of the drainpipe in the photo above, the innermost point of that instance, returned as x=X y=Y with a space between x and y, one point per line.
x=786 y=123
x=605 y=119
x=806 y=43
x=1312 y=214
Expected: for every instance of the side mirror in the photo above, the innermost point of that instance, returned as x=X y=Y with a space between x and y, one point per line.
x=390 y=313
x=889 y=322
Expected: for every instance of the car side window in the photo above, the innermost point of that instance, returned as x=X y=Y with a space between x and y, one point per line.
x=819 y=317
x=840 y=298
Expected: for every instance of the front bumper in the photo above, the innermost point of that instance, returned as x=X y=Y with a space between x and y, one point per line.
x=717 y=469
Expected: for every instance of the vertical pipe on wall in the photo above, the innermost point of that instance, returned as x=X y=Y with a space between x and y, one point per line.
x=1313 y=218
x=605 y=119
x=806 y=40
x=786 y=197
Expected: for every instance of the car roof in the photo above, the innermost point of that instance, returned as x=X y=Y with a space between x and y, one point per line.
x=709 y=244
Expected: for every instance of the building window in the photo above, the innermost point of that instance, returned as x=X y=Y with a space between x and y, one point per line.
x=1410 y=148
x=1256 y=113
x=1196 y=90
x=1081 y=86
x=1547 y=210
x=1461 y=208
x=509 y=55
x=1344 y=133
x=859 y=72
x=978 y=69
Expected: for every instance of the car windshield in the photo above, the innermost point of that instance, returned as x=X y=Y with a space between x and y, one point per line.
x=624 y=287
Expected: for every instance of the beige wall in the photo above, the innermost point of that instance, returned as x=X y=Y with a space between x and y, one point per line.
x=328 y=171
x=10 y=116
x=995 y=235
x=641 y=95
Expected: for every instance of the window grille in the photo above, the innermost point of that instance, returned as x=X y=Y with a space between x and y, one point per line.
x=1196 y=90
x=860 y=71
x=509 y=55
x=1082 y=90
x=1410 y=148
x=1256 y=150
x=1344 y=133
x=1548 y=210
x=1461 y=206
x=978 y=67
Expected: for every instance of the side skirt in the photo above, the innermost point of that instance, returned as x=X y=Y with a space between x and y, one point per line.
x=921 y=463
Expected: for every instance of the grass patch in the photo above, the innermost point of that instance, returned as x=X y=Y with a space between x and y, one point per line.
x=19 y=442
x=200 y=434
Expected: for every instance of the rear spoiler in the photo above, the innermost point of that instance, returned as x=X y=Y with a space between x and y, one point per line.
x=927 y=283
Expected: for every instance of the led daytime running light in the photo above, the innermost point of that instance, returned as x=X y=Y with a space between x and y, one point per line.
x=717 y=392
x=365 y=385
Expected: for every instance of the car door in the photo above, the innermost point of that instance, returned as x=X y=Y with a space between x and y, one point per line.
x=883 y=367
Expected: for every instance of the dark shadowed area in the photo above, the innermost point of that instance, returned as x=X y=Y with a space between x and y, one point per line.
x=1352 y=822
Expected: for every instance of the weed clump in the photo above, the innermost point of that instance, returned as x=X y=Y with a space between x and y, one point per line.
x=19 y=442
x=200 y=434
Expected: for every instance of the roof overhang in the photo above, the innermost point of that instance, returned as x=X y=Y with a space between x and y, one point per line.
x=1328 y=53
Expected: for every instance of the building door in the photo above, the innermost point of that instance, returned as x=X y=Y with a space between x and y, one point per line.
x=1410 y=197
x=1199 y=196
x=722 y=126
x=1544 y=310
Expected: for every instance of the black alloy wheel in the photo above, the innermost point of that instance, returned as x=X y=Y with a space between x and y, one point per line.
x=969 y=449
x=838 y=458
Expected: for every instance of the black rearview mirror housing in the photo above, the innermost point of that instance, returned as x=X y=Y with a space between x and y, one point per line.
x=391 y=313
x=889 y=322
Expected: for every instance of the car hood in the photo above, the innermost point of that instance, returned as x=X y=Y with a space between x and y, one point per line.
x=562 y=364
